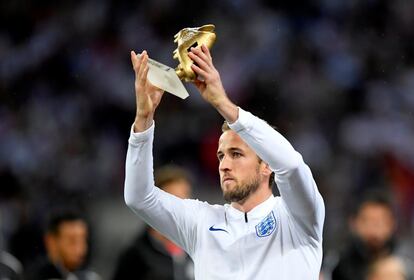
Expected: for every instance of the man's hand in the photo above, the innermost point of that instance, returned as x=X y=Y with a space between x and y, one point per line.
x=209 y=83
x=147 y=95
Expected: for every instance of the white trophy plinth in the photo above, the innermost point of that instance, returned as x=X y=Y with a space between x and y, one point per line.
x=165 y=77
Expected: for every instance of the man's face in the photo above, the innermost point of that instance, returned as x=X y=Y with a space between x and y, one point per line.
x=239 y=167
x=374 y=224
x=71 y=244
x=179 y=188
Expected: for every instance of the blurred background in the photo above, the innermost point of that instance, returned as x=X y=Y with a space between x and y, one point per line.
x=335 y=77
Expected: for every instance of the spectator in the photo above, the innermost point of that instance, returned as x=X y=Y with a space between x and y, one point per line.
x=66 y=242
x=152 y=255
x=372 y=226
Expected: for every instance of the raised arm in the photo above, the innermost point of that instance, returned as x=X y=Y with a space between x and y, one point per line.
x=172 y=216
x=139 y=179
x=293 y=177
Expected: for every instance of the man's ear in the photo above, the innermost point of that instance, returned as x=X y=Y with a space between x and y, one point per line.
x=265 y=169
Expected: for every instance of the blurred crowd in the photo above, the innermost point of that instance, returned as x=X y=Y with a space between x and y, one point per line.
x=335 y=77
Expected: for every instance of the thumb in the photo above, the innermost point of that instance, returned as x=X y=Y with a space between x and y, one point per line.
x=199 y=85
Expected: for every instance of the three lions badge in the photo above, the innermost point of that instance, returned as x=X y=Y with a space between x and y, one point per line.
x=267 y=226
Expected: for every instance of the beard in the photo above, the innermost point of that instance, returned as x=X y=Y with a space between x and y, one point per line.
x=241 y=191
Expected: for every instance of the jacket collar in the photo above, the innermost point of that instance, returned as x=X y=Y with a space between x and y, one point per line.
x=258 y=211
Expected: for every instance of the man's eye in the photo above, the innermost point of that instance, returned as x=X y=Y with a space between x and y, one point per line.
x=220 y=157
x=236 y=154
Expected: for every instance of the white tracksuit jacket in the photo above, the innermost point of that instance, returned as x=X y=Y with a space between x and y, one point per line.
x=279 y=239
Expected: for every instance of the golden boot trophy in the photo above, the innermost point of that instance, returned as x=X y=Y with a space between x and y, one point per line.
x=186 y=39
x=170 y=79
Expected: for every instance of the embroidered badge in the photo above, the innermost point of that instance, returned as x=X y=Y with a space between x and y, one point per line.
x=267 y=226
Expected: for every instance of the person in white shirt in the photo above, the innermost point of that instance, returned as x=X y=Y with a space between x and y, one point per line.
x=256 y=235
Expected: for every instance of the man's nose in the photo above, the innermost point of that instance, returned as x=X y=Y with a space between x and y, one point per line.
x=225 y=164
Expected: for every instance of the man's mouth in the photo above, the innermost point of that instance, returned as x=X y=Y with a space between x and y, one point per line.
x=226 y=179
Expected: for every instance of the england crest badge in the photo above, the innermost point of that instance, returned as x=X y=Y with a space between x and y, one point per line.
x=267 y=226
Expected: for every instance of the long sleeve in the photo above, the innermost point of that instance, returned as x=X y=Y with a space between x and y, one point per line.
x=293 y=177
x=172 y=216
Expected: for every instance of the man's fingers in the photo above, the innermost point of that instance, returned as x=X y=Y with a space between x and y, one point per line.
x=142 y=77
x=135 y=63
x=145 y=74
x=200 y=54
x=142 y=80
x=201 y=63
x=206 y=51
x=199 y=71
x=198 y=83
x=133 y=59
x=136 y=60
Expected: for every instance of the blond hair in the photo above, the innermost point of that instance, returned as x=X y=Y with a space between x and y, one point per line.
x=170 y=174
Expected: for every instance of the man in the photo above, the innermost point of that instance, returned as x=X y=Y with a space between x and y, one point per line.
x=257 y=235
x=66 y=246
x=152 y=256
x=372 y=225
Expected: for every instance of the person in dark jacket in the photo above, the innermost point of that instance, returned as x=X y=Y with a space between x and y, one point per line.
x=152 y=255
x=66 y=242
x=372 y=225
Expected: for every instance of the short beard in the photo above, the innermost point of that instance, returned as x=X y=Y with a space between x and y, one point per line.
x=241 y=192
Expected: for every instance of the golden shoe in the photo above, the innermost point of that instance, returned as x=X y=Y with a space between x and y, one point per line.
x=186 y=39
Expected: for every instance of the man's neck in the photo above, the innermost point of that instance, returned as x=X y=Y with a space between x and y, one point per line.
x=254 y=199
